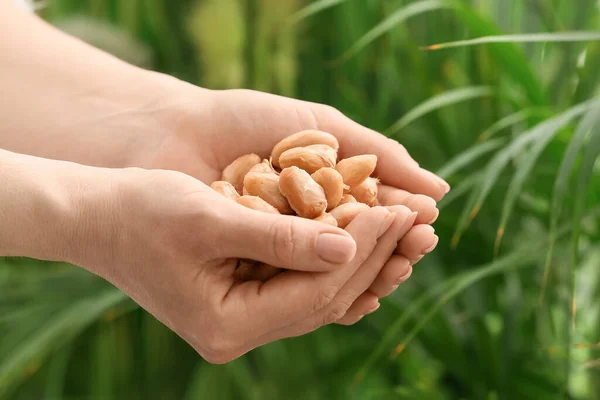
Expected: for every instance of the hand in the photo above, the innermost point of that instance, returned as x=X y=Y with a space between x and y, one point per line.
x=169 y=241
x=206 y=130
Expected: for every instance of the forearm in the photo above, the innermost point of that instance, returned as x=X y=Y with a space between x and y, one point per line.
x=52 y=210
x=63 y=99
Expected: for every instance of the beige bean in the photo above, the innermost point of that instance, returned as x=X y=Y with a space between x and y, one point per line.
x=264 y=166
x=304 y=195
x=256 y=203
x=235 y=172
x=303 y=139
x=366 y=192
x=345 y=213
x=266 y=186
x=226 y=189
x=347 y=198
x=332 y=183
x=309 y=158
x=327 y=218
x=356 y=169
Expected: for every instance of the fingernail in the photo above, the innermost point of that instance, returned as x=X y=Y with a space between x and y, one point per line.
x=385 y=225
x=372 y=310
x=445 y=184
x=413 y=216
x=435 y=217
x=430 y=248
x=402 y=278
x=442 y=182
x=335 y=249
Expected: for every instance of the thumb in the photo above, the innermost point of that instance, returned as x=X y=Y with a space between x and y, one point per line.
x=288 y=242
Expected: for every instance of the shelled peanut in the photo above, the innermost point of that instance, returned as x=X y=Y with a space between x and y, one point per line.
x=304 y=178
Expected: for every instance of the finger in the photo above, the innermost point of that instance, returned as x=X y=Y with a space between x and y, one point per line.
x=357 y=280
x=396 y=271
x=419 y=241
x=424 y=205
x=285 y=241
x=367 y=273
x=366 y=303
x=293 y=296
x=395 y=166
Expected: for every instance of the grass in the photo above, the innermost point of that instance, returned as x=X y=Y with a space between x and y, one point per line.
x=504 y=107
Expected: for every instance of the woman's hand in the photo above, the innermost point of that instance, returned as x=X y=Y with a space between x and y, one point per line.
x=172 y=250
x=170 y=242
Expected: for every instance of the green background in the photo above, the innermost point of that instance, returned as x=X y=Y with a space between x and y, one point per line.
x=512 y=126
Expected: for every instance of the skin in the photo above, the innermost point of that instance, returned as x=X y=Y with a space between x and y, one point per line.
x=117 y=184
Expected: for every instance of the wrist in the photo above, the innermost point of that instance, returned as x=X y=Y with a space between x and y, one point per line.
x=57 y=211
x=36 y=212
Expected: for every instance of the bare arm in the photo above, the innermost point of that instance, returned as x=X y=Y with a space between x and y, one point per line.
x=64 y=99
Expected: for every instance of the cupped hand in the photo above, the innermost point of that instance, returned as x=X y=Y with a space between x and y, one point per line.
x=171 y=242
x=215 y=127
x=212 y=128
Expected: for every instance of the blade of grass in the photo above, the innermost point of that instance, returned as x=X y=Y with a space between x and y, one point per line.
x=508 y=56
x=57 y=370
x=561 y=185
x=491 y=173
x=451 y=287
x=398 y=17
x=59 y=329
x=310 y=10
x=414 y=307
x=512 y=119
x=468 y=214
x=576 y=36
x=590 y=154
x=466 y=157
x=442 y=100
x=445 y=290
x=463 y=187
x=519 y=178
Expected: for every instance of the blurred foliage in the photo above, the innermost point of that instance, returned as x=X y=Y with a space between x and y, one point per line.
x=511 y=125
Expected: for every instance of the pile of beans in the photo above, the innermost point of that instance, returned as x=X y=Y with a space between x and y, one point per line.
x=304 y=178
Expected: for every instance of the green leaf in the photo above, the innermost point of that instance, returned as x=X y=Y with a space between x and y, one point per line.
x=561 y=184
x=442 y=100
x=508 y=56
x=310 y=10
x=540 y=132
x=56 y=330
x=512 y=119
x=398 y=17
x=466 y=157
x=523 y=38
x=444 y=292
x=590 y=155
x=457 y=191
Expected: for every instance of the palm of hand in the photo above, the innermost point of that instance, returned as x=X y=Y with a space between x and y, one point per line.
x=239 y=122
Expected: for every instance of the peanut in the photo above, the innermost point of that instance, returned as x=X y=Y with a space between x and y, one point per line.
x=234 y=173
x=309 y=158
x=345 y=213
x=366 y=192
x=249 y=270
x=304 y=195
x=356 y=169
x=266 y=186
x=256 y=203
x=226 y=189
x=264 y=166
x=327 y=219
x=303 y=139
x=332 y=183
x=347 y=198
